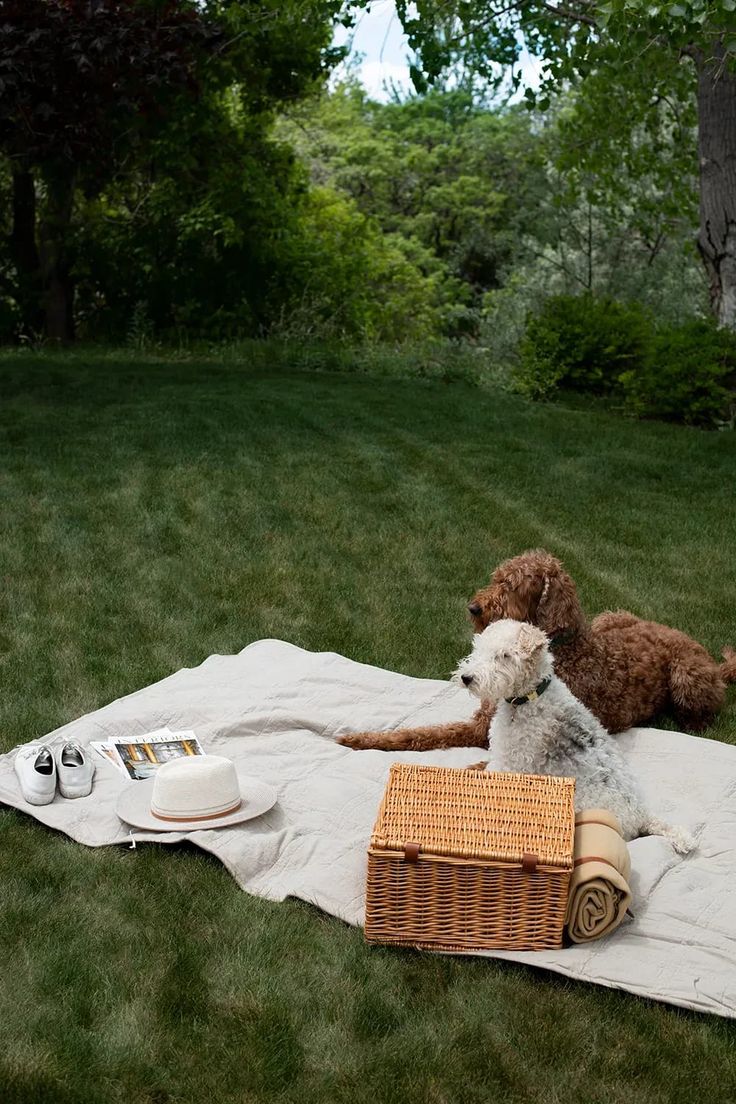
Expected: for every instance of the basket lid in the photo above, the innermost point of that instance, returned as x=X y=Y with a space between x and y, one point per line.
x=494 y=816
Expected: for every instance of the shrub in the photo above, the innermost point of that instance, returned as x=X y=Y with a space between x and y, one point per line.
x=688 y=375
x=340 y=278
x=684 y=373
x=581 y=343
x=460 y=322
x=9 y=320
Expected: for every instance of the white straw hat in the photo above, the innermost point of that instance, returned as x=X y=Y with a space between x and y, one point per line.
x=194 y=792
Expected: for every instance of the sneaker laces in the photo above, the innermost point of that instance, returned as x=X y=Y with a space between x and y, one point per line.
x=29 y=746
x=46 y=765
x=72 y=755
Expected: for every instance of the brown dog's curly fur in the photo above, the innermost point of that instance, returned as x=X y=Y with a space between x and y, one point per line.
x=627 y=671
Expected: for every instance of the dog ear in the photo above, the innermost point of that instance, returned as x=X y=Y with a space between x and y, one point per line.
x=559 y=609
x=522 y=595
x=531 y=640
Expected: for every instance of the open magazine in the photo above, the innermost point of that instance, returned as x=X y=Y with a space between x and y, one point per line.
x=140 y=756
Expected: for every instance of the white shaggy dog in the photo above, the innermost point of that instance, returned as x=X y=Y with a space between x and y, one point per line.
x=539 y=727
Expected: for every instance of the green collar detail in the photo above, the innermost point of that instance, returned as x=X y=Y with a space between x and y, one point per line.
x=536 y=693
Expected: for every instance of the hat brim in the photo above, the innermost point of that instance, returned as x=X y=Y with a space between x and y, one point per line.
x=134 y=806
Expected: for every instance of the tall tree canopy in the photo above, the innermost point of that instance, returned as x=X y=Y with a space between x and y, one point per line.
x=82 y=83
x=89 y=87
x=656 y=53
x=460 y=184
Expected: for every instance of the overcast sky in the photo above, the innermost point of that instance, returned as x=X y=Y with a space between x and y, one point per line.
x=379 y=38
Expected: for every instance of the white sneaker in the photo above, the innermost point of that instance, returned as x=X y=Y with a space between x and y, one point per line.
x=36 y=770
x=75 y=770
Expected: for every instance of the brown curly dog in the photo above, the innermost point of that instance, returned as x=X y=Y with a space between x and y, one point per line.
x=625 y=670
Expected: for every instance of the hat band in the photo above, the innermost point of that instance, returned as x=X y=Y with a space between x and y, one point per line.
x=206 y=816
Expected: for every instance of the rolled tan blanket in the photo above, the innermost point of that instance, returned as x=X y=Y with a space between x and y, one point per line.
x=599 y=887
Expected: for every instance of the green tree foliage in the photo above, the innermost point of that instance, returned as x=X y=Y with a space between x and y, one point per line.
x=223 y=236
x=198 y=223
x=495 y=203
x=343 y=277
x=192 y=240
x=608 y=225
x=82 y=86
x=101 y=98
x=244 y=198
x=643 y=53
x=458 y=183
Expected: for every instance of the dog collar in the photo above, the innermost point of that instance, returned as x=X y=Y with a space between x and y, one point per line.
x=536 y=693
x=563 y=638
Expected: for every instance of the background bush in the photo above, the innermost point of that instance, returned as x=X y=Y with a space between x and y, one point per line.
x=688 y=375
x=581 y=343
x=597 y=346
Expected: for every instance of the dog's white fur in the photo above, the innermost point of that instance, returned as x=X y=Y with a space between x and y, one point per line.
x=554 y=733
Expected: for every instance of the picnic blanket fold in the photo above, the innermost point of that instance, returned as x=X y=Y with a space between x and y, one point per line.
x=279 y=708
x=599 y=887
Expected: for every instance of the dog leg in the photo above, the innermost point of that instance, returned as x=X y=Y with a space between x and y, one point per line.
x=472 y=733
x=697 y=689
x=682 y=841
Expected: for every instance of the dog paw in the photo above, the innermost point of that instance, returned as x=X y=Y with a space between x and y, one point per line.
x=481 y=766
x=358 y=741
x=683 y=842
x=353 y=742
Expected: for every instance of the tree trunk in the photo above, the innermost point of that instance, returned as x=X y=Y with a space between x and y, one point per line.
x=44 y=287
x=717 y=152
x=55 y=267
x=24 y=251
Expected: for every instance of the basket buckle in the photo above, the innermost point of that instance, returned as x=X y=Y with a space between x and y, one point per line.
x=411 y=852
x=529 y=862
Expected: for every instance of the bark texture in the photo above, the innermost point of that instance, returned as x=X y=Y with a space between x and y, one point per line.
x=24 y=251
x=717 y=152
x=53 y=237
x=38 y=245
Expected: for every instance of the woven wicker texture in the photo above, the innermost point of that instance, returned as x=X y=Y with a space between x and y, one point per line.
x=467 y=888
x=477 y=814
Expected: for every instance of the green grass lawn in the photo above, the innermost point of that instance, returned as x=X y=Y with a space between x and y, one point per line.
x=153 y=513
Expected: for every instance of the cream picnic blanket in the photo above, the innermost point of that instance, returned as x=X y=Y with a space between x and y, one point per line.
x=278 y=708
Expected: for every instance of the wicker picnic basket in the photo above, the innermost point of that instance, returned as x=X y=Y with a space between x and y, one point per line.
x=463 y=859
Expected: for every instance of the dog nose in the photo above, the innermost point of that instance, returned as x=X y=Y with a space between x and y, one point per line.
x=474 y=609
x=466 y=679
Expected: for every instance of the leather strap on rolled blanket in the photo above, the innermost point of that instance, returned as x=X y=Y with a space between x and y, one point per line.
x=599 y=887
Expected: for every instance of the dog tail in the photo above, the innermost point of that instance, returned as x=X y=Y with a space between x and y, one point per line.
x=682 y=841
x=728 y=667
